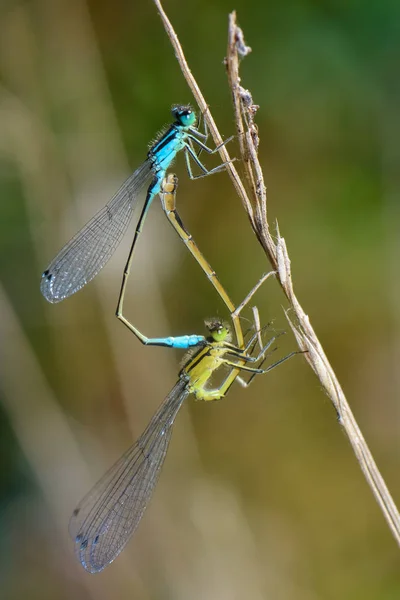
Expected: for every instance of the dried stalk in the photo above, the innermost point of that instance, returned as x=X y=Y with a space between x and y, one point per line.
x=256 y=209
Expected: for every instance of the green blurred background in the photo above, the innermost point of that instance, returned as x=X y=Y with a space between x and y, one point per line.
x=261 y=496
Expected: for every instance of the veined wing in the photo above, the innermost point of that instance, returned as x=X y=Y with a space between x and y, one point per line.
x=89 y=250
x=106 y=518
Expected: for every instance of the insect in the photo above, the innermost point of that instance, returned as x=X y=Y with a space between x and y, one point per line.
x=106 y=518
x=81 y=259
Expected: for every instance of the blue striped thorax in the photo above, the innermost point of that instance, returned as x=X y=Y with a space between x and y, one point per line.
x=164 y=151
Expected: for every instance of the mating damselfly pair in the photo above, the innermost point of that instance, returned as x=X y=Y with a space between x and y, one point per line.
x=106 y=518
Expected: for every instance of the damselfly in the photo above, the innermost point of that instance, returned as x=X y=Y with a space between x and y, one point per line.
x=106 y=518
x=90 y=249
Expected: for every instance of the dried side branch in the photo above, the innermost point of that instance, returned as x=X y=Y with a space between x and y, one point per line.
x=255 y=205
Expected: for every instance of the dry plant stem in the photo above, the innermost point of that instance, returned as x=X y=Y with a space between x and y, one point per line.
x=256 y=210
x=278 y=255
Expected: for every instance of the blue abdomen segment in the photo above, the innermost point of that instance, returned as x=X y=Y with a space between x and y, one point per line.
x=183 y=341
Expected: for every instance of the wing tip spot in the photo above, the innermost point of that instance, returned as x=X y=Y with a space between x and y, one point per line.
x=47 y=275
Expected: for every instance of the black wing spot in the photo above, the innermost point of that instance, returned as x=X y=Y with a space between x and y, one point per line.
x=47 y=275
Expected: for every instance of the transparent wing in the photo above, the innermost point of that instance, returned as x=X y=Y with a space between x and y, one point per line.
x=89 y=250
x=106 y=518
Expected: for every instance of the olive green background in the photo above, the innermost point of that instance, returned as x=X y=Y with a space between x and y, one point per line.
x=261 y=496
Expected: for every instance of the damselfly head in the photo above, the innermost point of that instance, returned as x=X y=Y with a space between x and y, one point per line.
x=219 y=330
x=184 y=114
